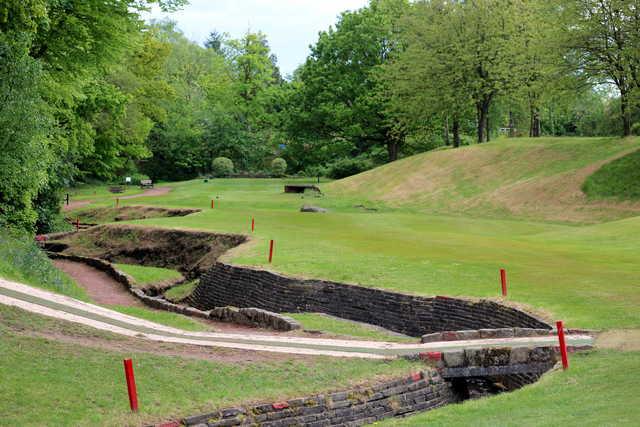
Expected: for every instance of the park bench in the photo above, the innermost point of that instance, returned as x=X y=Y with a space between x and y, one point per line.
x=116 y=189
x=146 y=183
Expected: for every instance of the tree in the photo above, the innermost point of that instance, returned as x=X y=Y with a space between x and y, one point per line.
x=340 y=99
x=605 y=37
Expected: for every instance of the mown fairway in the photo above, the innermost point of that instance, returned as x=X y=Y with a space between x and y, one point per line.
x=583 y=274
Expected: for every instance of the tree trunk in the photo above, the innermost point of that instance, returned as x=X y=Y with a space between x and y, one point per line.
x=393 y=147
x=482 y=108
x=512 y=126
x=447 y=142
x=534 y=130
x=487 y=127
x=456 y=132
x=626 y=116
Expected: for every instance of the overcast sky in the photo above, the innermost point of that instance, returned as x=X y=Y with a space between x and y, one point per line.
x=290 y=25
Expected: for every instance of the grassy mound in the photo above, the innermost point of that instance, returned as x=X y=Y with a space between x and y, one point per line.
x=528 y=178
x=619 y=179
x=21 y=260
x=597 y=390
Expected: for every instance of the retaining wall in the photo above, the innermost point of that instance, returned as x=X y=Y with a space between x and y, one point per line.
x=227 y=285
x=359 y=406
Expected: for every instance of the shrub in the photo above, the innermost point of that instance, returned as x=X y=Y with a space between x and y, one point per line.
x=279 y=166
x=347 y=167
x=222 y=166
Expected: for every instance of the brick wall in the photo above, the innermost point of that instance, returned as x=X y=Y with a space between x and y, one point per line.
x=227 y=285
x=419 y=392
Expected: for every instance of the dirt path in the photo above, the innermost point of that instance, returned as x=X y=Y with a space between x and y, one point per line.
x=100 y=287
x=160 y=191
x=61 y=307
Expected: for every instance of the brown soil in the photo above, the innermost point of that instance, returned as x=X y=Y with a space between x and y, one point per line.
x=100 y=287
x=620 y=339
x=160 y=191
x=190 y=252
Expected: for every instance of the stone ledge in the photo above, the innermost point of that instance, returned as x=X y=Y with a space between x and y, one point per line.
x=363 y=405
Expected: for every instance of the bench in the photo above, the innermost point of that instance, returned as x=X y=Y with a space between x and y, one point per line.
x=116 y=189
x=146 y=183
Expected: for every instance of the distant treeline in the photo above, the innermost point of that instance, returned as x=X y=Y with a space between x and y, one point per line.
x=89 y=91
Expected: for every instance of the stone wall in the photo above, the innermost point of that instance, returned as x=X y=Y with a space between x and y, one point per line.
x=419 y=392
x=227 y=285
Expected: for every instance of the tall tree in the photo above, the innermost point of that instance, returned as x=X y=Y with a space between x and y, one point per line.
x=604 y=36
x=340 y=96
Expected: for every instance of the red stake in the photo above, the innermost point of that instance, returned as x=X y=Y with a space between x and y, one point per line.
x=78 y=224
x=131 y=385
x=212 y=203
x=253 y=224
x=270 y=251
x=503 y=279
x=563 y=345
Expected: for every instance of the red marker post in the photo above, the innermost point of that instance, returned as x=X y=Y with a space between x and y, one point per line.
x=131 y=385
x=503 y=279
x=78 y=224
x=213 y=203
x=270 y=251
x=253 y=224
x=563 y=345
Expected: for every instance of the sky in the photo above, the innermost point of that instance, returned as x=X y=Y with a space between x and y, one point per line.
x=290 y=25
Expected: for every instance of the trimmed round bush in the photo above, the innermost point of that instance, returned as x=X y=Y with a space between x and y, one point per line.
x=347 y=167
x=279 y=166
x=222 y=166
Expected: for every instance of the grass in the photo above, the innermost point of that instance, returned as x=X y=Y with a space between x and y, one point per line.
x=164 y=318
x=445 y=224
x=180 y=292
x=619 y=179
x=73 y=385
x=143 y=275
x=536 y=179
x=22 y=261
x=599 y=389
x=336 y=326
x=585 y=275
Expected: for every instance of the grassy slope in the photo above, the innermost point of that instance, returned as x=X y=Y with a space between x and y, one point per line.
x=144 y=275
x=599 y=389
x=619 y=179
x=74 y=385
x=535 y=179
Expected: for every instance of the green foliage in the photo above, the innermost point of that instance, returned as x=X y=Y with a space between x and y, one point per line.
x=222 y=167
x=348 y=167
x=22 y=260
x=25 y=126
x=279 y=166
x=619 y=179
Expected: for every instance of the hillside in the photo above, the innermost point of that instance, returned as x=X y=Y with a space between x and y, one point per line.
x=537 y=179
